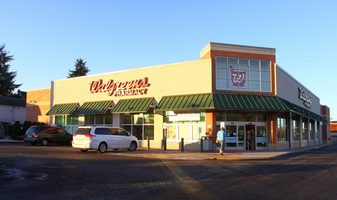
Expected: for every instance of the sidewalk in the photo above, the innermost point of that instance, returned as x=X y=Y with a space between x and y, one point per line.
x=211 y=155
x=143 y=152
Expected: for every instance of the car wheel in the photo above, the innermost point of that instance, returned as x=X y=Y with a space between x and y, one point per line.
x=133 y=146
x=84 y=150
x=44 y=142
x=102 y=148
x=33 y=143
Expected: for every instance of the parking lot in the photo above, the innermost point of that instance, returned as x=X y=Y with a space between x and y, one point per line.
x=61 y=172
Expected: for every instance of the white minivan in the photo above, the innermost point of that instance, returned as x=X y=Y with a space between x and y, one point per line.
x=102 y=138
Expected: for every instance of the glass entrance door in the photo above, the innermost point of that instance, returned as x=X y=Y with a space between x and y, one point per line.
x=250 y=137
x=261 y=138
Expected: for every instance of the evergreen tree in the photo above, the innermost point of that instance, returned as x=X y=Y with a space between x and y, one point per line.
x=80 y=69
x=7 y=79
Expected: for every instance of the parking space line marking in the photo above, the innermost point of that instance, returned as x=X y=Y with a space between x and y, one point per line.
x=164 y=154
x=155 y=155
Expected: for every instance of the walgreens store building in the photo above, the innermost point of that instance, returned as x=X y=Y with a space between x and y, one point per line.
x=239 y=87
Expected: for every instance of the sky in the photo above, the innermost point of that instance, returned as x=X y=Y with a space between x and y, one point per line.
x=46 y=37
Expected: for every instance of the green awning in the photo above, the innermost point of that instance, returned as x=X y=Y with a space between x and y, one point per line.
x=96 y=107
x=221 y=101
x=132 y=105
x=303 y=111
x=185 y=102
x=218 y=100
x=248 y=102
x=63 y=109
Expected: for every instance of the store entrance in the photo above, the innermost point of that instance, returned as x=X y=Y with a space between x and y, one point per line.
x=250 y=137
x=243 y=136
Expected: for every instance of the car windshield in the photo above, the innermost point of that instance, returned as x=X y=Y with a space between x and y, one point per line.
x=82 y=131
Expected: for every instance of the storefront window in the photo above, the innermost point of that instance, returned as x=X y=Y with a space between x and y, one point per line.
x=140 y=125
x=233 y=116
x=282 y=126
x=305 y=129
x=68 y=122
x=184 y=132
x=242 y=74
x=89 y=119
x=318 y=135
x=126 y=118
x=59 y=120
x=241 y=116
x=197 y=132
x=149 y=132
x=312 y=129
x=296 y=127
x=189 y=129
x=171 y=132
x=99 y=119
x=108 y=118
x=261 y=117
x=148 y=118
x=221 y=116
x=138 y=118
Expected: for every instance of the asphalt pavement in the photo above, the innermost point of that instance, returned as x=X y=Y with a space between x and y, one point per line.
x=205 y=155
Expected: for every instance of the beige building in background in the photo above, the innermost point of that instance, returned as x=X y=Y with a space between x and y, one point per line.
x=37 y=105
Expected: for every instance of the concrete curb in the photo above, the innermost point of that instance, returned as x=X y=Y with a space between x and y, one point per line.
x=11 y=141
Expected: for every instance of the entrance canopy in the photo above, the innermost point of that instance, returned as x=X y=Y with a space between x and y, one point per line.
x=248 y=102
x=221 y=101
x=63 y=109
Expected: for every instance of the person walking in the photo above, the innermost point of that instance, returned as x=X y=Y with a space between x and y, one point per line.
x=221 y=136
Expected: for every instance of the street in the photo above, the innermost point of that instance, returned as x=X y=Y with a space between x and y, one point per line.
x=61 y=172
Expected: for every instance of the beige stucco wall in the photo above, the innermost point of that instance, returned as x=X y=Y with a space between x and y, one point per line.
x=191 y=77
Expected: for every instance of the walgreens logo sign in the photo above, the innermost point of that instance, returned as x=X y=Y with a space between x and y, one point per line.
x=238 y=77
x=125 y=88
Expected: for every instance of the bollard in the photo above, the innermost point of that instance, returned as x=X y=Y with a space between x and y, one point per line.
x=182 y=144
x=164 y=143
x=148 y=143
x=202 y=143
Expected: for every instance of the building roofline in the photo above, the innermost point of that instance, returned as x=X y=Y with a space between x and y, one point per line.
x=237 y=48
